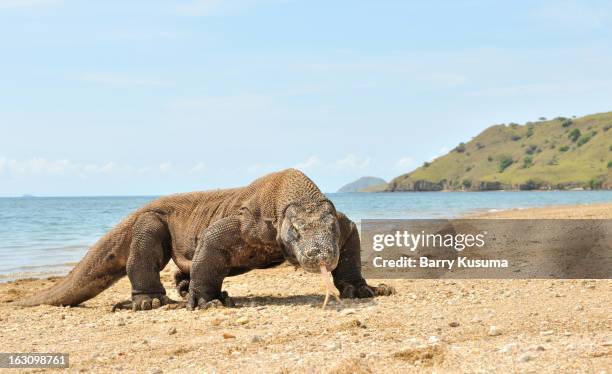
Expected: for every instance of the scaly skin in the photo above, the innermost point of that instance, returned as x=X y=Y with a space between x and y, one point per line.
x=214 y=234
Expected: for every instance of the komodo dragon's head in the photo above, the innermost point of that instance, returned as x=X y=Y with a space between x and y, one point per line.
x=310 y=235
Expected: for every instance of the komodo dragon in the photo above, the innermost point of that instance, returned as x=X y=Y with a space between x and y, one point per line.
x=214 y=234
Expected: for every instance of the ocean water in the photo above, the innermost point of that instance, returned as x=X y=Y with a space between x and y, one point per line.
x=47 y=236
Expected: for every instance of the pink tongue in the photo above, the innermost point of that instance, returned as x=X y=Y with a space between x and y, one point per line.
x=328 y=285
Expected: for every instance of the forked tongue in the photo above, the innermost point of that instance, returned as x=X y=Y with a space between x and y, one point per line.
x=328 y=285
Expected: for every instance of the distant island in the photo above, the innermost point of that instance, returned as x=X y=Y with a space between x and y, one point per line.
x=365 y=184
x=562 y=153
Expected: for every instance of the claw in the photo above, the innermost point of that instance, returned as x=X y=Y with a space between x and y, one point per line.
x=383 y=290
x=364 y=291
x=146 y=305
x=194 y=302
x=125 y=304
x=144 y=302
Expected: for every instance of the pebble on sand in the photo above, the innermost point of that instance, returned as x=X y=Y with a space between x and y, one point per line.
x=493 y=331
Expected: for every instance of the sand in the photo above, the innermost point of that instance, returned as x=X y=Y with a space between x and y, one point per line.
x=278 y=325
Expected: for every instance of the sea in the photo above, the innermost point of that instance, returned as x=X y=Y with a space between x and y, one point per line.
x=46 y=236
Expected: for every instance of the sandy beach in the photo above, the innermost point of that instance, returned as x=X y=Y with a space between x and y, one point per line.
x=278 y=325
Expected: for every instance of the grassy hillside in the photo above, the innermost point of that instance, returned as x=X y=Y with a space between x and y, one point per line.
x=561 y=153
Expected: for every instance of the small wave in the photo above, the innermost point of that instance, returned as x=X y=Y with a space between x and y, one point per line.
x=28 y=268
x=31 y=274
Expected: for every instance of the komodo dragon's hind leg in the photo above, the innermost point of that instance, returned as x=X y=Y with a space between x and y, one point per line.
x=147 y=258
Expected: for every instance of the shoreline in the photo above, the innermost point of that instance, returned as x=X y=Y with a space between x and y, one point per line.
x=574 y=211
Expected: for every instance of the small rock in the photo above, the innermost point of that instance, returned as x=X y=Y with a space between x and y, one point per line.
x=256 y=339
x=362 y=355
x=476 y=320
x=433 y=339
x=507 y=348
x=540 y=348
x=242 y=320
x=578 y=308
x=121 y=323
x=227 y=335
x=525 y=357
x=172 y=331
x=347 y=311
x=454 y=324
x=567 y=333
x=493 y=331
x=547 y=332
x=607 y=344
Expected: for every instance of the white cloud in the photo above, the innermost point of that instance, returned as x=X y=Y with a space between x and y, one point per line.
x=308 y=164
x=223 y=103
x=119 y=79
x=574 y=14
x=165 y=167
x=352 y=161
x=404 y=163
x=556 y=88
x=444 y=79
x=220 y=7
x=139 y=35
x=9 y=4
x=261 y=168
x=39 y=166
x=198 y=168
x=107 y=168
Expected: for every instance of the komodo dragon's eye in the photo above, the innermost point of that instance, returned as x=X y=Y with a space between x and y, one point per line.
x=294 y=234
x=299 y=224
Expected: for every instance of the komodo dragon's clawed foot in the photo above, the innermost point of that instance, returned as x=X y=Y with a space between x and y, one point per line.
x=196 y=302
x=144 y=302
x=350 y=291
x=181 y=281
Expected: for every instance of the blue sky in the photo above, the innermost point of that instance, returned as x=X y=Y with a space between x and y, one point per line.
x=156 y=97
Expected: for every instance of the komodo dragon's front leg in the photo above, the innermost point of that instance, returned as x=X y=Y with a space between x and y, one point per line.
x=211 y=263
x=347 y=275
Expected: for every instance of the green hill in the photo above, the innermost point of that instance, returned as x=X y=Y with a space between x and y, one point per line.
x=562 y=153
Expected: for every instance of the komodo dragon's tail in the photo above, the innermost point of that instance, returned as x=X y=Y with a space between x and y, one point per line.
x=104 y=264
